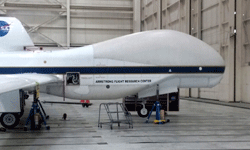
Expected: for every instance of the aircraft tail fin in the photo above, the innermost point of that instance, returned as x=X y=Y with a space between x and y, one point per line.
x=13 y=36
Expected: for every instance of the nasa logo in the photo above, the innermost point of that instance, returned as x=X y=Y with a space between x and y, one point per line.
x=4 y=28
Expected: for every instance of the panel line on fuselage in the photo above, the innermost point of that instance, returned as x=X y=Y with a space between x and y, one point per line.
x=115 y=70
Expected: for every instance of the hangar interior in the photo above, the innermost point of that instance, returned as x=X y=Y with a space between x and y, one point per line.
x=63 y=24
x=74 y=23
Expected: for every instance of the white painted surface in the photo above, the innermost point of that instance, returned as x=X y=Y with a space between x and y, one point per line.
x=151 y=48
x=74 y=57
x=10 y=102
x=16 y=38
x=24 y=81
x=160 y=47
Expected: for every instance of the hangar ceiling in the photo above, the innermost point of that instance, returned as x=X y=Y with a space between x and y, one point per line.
x=66 y=23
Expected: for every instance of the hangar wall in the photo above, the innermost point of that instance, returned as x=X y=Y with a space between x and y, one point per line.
x=216 y=23
x=71 y=22
x=243 y=50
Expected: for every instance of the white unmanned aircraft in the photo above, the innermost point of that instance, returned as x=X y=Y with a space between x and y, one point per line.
x=139 y=63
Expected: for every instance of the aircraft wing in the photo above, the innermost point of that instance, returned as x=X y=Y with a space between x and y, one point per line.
x=24 y=81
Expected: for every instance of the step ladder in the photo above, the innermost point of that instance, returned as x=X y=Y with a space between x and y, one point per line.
x=117 y=113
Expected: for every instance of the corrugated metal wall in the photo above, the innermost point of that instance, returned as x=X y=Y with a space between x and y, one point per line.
x=175 y=15
x=150 y=15
x=243 y=50
x=211 y=22
x=216 y=23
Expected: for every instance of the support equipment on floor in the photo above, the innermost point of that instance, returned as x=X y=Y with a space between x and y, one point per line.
x=37 y=115
x=158 y=119
x=114 y=111
x=157 y=104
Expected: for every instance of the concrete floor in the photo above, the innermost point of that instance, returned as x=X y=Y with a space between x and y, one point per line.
x=198 y=125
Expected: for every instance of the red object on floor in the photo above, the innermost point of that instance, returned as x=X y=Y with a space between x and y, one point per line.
x=84 y=101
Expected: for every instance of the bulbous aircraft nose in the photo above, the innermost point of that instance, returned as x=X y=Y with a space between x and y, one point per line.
x=160 y=48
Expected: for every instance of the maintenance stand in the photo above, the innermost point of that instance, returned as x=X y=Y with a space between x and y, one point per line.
x=158 y=118
x=37 y=114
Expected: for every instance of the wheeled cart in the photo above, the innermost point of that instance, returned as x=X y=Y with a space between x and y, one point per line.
x=169 y=102
x=12 y=108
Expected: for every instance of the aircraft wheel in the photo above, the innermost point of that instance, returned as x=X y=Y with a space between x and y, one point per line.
x=9 y=120
x=143 y=112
